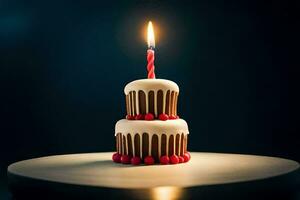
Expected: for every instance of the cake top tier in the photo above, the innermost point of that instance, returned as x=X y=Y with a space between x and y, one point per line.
x=151 y=84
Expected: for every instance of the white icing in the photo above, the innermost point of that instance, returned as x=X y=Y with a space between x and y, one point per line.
x=155 y=103
x=158 y=127
x=151 y=84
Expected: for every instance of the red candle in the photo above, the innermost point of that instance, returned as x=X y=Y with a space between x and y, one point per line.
x=150 y=65
x=150 y=51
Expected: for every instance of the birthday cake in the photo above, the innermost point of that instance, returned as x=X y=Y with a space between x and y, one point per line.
x=152 y=131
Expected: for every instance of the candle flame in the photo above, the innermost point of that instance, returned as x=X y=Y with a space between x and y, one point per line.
x=151 y=39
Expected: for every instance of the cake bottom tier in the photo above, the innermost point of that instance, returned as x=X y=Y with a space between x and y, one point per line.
x=151 y=138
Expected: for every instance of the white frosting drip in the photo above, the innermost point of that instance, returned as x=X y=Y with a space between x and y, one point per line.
x=137 y=102
x=131 y=103
x=179 y=145
x=159 y=145
x=176 y=101
x=150 y=145
x=133 y=148
x=167 y=145
x=122 y=144
x=118 y=143
x=129 y=106
x=126 y=144
x=147 y=85
x=157 y=127
x=141 y=145
x=164 y=101
x=174 y=143
x=155 y=103
x=147 y=102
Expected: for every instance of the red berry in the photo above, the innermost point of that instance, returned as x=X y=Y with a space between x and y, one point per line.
x=174 y=159
x=135 y=160
x=149 y=160
x=130 y=117
x=186 y=157
x=125 y=159
x=172 y=117
x=164 y=160
x=116 y=157
x=188 y=153
x=163 y=117
x=181 y=159
x=139 y=117
x=149 y=116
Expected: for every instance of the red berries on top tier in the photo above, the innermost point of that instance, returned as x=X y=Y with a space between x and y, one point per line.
x=130 y=117
x=163 y=117
x=139 y=117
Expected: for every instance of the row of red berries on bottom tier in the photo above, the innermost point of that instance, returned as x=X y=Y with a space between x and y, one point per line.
x=149 y=160
x=150 y=116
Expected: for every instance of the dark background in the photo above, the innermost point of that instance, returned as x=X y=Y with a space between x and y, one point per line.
x=64 y=64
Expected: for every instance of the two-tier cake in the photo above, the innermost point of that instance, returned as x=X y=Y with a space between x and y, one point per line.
x=152 y=131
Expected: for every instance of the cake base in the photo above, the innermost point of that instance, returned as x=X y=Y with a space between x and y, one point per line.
x=155 y=138
x=94 y=175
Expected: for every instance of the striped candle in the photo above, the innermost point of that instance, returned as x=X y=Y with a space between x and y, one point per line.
x=150 y=52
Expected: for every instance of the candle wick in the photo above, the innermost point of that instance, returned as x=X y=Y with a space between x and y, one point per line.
x=151 y=47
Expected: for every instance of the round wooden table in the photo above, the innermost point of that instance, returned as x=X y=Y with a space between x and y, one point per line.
x=206 y=176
